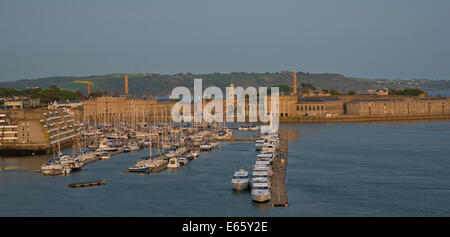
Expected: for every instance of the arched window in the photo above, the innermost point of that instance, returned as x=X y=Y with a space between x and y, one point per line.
x=309 y=108
x=314 y=108
x=301 y=107
x=298 y=108
x=322 y=108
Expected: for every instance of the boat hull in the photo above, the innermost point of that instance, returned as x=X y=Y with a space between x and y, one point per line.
x=208 y=148
x=159 y=168
x=51 y=171
x=261 y=197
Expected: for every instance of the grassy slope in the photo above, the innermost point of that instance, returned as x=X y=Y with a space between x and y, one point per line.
x=163 y=84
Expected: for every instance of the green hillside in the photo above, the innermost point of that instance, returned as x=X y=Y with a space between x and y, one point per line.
x=158 y=84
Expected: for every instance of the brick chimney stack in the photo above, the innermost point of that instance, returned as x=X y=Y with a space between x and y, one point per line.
x=295 y=83
x=126 y=84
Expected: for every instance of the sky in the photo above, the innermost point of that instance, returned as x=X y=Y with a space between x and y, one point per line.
x=358 y=38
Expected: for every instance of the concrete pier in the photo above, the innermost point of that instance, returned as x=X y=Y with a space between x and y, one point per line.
x=278 y=185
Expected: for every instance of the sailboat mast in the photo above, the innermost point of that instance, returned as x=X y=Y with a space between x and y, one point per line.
x=150 y=145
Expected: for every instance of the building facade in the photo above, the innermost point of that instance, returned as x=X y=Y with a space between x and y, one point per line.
x=36 y=131
x=363 y=107
x=128 y=109
x=116 y=109
x=398 y=107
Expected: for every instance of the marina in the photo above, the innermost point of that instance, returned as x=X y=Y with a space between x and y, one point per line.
x=214 y=117
x=175 y=145
x=324 y=177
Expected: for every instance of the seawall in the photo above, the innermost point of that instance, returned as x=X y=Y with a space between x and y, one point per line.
x=363 y=118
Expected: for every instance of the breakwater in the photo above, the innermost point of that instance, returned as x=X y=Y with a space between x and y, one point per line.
x=364 y=118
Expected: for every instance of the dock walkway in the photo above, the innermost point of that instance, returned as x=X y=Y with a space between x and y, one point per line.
x=278 y=185
x=87 y=184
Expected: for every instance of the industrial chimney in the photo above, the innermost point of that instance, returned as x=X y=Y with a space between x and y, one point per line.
x=295 y=83
x=126 y=84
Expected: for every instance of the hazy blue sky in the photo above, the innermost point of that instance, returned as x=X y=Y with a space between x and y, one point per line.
x=367 y=38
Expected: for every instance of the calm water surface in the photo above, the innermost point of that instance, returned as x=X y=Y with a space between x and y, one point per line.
x=442 y=93
x=337 y=169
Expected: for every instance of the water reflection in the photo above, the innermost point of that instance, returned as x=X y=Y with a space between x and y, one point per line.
x=245 y=192
x=261 y=205
x=25 y=162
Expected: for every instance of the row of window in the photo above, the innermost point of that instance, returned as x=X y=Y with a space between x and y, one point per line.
x=310 y=108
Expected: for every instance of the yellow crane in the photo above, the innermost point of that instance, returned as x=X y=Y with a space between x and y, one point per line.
x=89 y=83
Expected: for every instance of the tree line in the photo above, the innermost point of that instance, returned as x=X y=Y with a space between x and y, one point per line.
x=52 y=93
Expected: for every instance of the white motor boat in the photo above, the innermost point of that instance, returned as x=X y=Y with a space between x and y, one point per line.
x=206 y=147
x=259 y=144
x=176 y=152
x=262 y=162
x=240 y=180
x=260 y=176
x=86 y=158
x=52 y=168
x=267 y=168
x=264 y=157
x=106 y=146
x=173 y=163
x=133 y=147
x=191 y=155
x=224 y=135
x=269 y=148
x=261 y=192
x=105 y=156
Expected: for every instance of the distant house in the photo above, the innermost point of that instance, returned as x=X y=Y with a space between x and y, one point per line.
x=20 y=102
x=13 y=104
x=68 y=105
x=32 y=102
x=316 y=93
x=384 y=91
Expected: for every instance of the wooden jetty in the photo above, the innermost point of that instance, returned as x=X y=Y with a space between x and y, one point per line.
x=249 y=139
x=278 y=183
x=87 y=184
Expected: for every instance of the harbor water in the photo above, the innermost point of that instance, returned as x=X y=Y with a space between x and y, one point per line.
x=335 y=169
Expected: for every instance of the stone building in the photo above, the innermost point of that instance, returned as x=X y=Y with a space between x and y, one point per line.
x=398 y=107
x=146 y=109
x=318 y=107
x=116 y=109
x=292 y=107
x=19 y=102
x=36 y=131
